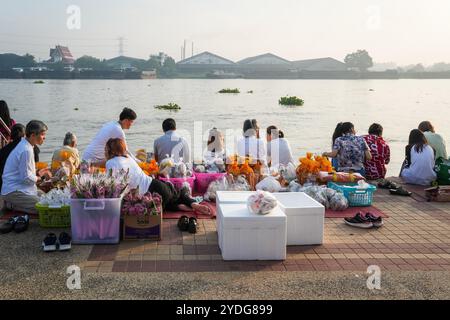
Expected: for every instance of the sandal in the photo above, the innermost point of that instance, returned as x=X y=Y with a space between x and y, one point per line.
x=183 y=223
x=400 y=192
x=193 y=225
x=22 y=224
x=386 y=184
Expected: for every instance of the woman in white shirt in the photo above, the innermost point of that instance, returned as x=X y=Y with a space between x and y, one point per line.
x=250 y=145
x=278 y=148
x=172 y=199
x=419 y=164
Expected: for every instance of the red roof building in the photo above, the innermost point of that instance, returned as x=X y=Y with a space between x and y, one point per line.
x=61 y=54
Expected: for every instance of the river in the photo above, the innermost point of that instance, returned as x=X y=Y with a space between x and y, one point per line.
x=398 y=105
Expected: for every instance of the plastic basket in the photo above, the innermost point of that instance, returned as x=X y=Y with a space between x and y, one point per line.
x=202 y=180
x=178 y=182
x=96 y=221
x=53 y=217
x=356 y=197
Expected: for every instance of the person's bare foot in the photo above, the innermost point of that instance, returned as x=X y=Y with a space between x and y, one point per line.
x=200 y=208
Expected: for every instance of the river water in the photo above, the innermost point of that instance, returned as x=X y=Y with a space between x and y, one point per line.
x=399 y=105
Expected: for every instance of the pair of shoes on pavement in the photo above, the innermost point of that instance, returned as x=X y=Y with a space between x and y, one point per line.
x=365 y=221
x=17 y=223
x=394 y=188
x=53 y=243
x=188 y=224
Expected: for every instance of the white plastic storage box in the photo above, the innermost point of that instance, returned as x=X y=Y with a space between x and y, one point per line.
x=228 y=197
x=95 y=221
x=305 y=218
x=249 y=236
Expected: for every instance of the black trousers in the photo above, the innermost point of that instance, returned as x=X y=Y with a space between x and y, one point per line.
x=171 y=197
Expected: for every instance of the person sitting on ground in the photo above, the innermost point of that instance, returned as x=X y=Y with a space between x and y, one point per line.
x=336 y=134
x=350 y=150
x=6 y=118
x=17 y=133
x=215 y=146
x=19 y=188
x=95 y=151
x=172 y=200
x=278 y=148
x=171 y=144
x=434 y=140
x=67 y=154
x=418 y=167
x=250 y=146
x=375 y=168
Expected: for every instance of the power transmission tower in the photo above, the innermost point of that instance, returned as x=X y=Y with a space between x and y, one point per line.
x=121 y=46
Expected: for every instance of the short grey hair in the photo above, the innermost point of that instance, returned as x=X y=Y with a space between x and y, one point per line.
x=35 y=127
x=69 y=139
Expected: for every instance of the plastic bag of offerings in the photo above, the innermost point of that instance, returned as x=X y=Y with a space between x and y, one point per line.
x=269 y=184
x=261 y=202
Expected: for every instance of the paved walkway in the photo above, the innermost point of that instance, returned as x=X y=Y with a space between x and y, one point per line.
x=416 y=236
x=412 y=250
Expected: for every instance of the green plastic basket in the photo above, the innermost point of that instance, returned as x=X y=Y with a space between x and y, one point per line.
x=50 y=217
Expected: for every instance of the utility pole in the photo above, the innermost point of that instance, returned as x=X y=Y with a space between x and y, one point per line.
x=192 y=49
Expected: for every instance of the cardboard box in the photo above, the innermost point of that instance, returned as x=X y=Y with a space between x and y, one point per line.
x=142 y=227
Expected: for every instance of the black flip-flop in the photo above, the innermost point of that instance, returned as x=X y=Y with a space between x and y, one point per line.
x=400 y=192
x=386 y=184
x=22 y=224
x=49 y=243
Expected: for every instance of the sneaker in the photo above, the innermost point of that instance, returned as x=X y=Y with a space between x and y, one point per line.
x=22 y=224
x=193 y=225
x=49 y=243
x=376 y=221
x=183 y=223
x=359 y=221
x=400 y=192
x=8 y=226
x=65 y=241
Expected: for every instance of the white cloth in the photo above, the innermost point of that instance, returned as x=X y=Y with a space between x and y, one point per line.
x=253 y=147
x=95 y=151
x=421 y=168
x=213 y=156
x=20 y=170
x=137 y=177
x=279 y=152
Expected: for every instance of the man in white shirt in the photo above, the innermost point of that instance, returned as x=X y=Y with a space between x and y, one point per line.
x=171 y=144
x=19 y=190
x=95 y=151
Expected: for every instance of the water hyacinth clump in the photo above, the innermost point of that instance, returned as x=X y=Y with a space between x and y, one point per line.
x=135 y=204
x=171 y=106
x=291 y=101
x=111 y=185
x=228 y=90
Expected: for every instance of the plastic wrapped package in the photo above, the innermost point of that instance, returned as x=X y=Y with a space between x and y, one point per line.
x=288 y=172
x=261 y=202
x=56 y=198
x=165 y=167
x=227 y=183
x=269 y=184
x=294 y=186
x=338 y=202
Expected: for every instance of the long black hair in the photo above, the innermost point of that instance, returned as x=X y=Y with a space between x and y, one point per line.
x=417 y=140
x=337 y=132
x=4 y=113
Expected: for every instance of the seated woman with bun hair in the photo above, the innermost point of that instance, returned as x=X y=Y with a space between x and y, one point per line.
x=172 y=199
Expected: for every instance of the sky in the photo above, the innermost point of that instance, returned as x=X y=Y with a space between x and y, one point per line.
x=400 y=31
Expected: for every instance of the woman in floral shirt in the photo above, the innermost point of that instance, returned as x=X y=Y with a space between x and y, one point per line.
x=381 y=154
x=350 y=150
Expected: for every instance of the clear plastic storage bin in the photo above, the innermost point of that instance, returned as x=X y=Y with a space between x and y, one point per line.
x=95 y=221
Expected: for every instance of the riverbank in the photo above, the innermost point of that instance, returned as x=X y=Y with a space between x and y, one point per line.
x=202 y=74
